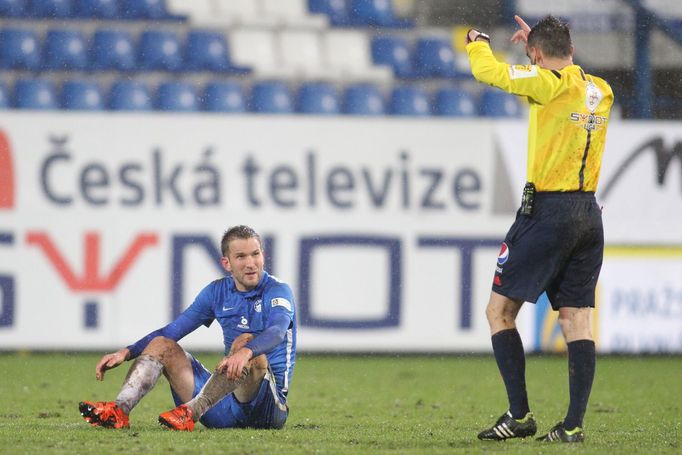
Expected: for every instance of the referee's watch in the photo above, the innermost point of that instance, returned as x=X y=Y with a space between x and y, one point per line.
x=475 y=35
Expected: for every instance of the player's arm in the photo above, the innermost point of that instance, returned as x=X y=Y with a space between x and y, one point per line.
x=538 y=84
x=193 y=317
x=175 y=331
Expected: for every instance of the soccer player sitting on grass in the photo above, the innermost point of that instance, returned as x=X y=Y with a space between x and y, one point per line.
x=248 y=387
x=556 y=243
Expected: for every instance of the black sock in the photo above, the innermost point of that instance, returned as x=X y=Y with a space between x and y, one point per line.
x=511 y=361
x=581 y=366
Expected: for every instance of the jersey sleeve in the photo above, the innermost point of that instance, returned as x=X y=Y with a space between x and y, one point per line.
x=202 y=309
x=538 y=84
x=280 y=318
x=200 y=312
x=280 y=299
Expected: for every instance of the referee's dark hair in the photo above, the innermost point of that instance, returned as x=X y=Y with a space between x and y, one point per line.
x=238 y=232
x=552 y=36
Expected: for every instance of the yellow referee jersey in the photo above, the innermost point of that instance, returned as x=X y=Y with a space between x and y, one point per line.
x=569 y=113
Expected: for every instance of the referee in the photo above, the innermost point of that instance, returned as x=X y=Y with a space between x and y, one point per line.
x=556 y=242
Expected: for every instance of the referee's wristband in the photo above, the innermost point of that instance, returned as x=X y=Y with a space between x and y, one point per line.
x=481 y=35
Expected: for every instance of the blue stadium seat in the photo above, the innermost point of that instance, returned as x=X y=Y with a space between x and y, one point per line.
x=112 y=49
x=271 y=97
x=65 y=49
x=434 y=57
x=496 y=103
x=96 y=9
x=20 y=49
x=81 y=95
x=159 y=50
x=13 y=8
x=145 y=9
x=409 y=100
x=4 y=96
x=208 y=51
x=50 y=8
x=177 y=96
x=454 y=102
x=35 y=94
x=394 y=52
x=335 y=10
x=318 y=98
x=224 y=96
x=376 y=13
x=363 y=99
x=129 y=95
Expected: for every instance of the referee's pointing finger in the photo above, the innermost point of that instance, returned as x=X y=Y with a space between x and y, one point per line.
x=522 y=23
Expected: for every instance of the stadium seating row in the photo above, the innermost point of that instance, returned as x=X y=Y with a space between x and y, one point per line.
x=291 y=53
x=273 y=97
x=316 y=13
x=91 y=9
x=69 y=49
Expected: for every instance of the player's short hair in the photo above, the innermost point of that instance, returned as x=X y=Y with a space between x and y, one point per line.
x=552 y=36
x=238 y=232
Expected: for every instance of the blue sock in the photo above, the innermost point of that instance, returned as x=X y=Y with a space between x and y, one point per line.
x=581 y=366
x=511 y=361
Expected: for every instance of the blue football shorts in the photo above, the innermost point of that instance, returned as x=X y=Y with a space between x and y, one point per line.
x=559 y=249
x=266 y=410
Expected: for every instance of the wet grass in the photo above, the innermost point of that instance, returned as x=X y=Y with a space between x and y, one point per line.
x=356 y=404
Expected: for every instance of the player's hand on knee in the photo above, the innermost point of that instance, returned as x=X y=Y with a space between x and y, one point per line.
x=236 y=365
x=109 y=361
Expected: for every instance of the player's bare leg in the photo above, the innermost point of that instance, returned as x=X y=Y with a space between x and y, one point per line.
x=518 y=422
x=218 y=387
x=575 y=325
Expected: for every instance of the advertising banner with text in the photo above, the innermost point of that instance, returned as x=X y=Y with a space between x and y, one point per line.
x=387 y=230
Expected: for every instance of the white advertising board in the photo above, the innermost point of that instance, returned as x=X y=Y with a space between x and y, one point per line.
x=386 y=229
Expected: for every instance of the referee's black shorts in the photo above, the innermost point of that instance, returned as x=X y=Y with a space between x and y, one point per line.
x=559 y=249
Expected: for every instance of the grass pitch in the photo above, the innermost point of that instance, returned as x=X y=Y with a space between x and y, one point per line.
x=357 y=404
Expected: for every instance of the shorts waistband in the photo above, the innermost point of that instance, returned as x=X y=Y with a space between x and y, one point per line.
x=564 y=195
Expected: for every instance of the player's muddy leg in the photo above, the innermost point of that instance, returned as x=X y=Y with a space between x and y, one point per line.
x=218 y=386
x=248 y=387
x=162 y=355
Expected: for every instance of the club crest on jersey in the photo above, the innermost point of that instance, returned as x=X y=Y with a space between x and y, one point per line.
x=279 y=301
x=593 y=96
x=258 y=306
x=503 y=257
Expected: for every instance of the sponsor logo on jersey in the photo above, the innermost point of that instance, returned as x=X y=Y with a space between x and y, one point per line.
x=279 y=301
x=589 y=122
x=503 y=257
x=244 y=323
x=522 y=71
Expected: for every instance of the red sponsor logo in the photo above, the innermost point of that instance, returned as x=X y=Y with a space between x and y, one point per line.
x=6 y=174
x=92 y=279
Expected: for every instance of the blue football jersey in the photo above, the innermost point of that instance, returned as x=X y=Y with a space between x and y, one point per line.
x=249 y=312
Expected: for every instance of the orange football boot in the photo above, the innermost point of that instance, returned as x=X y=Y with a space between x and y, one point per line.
x=105 y=414
x=179 y=419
